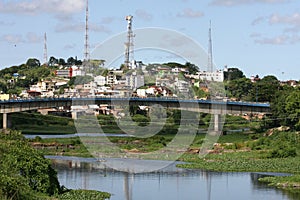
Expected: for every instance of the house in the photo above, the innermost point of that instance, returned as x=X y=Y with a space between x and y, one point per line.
x=100 y=80
x=4 y=97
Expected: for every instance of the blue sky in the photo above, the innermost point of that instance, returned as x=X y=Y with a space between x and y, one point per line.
x=258 y=36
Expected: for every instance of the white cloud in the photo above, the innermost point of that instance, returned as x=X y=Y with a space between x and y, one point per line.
x=287 y=19
x=278 y=40
x=289 y=34
x=12 y=38
x=80 y=27
x=69 y=46
x=244 y=2
x=33 y=38
x=255 y=35
x=190 y=13
x=143 y=14
x=4 y=23
x=257 y=21
x=18 y=38
x=290 y=21
x=33 y=7
x=107 y=20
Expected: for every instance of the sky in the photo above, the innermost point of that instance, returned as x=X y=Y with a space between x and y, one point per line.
x=260 y=37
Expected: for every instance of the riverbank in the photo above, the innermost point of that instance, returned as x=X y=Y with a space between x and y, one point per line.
x=279 y=152
x=239 y=152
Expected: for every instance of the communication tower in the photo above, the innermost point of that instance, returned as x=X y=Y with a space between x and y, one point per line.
x=210 y=54
x=129 y=44
x=86 y=45
x=45 y=50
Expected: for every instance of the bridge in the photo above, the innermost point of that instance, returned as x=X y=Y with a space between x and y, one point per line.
x=216 y=107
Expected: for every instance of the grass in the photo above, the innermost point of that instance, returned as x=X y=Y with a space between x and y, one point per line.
x=287 y=183
x=61 y=146
x=84 y=194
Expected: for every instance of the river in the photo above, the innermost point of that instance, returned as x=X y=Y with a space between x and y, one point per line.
x=168 y=183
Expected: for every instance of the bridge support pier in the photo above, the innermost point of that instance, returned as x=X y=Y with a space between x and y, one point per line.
x=217 y=122
x=4 y=121
x=74 y=115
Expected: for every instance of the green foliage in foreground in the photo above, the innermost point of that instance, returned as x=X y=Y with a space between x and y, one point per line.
x=26 y=175
x=24 y=172
x=84 y=194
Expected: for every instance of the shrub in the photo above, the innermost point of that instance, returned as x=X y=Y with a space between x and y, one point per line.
x=283 y=152
x=84 y=194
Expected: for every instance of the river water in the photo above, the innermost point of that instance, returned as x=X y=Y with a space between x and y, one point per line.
x=170 y=183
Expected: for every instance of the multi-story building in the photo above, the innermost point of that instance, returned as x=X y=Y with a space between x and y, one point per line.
x=217 y=76
x=134 y=81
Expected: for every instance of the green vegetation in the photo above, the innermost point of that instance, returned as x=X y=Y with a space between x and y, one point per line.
x=287 y=183
x=141 y=144
x=84 y=194
x=14 y=79
x=35 y=123
x=26 y=174
x=60 y=146
x=279 y=152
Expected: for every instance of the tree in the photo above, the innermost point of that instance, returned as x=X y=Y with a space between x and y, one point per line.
x=53 y=61
x=33 y=62
x=24 y=169
x=241 y=88
x=71 y=61
x=267 y=88
x=62 y=62
x=292 y=109
x=285 y=108
x=193 y=69
x=141 y=119
x=232 y=74
x=3 y=87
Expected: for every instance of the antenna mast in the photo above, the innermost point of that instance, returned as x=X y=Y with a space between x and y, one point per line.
x=129 y=43
x=210 y=56
x=86 y=45
x=45 y=49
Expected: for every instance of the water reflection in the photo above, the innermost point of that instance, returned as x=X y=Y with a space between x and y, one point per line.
x=168 y=183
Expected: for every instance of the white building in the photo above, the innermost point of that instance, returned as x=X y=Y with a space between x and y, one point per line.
x=134 y=81
x=217 y=76
x=76 y=71
x=100 y=80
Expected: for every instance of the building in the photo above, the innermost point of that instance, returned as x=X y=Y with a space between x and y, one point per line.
x=4 y=97
x=70 y=72
x=76 y=71
x=66 y=73
x=111 y=79
x=217 y=76
x=134 y=81
x=100 y=80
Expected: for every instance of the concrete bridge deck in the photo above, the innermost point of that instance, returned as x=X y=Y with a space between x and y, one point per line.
x=216 y=107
